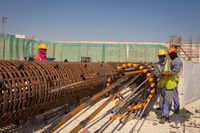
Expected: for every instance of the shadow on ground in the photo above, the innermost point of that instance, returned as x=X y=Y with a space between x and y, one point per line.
x=183 y=116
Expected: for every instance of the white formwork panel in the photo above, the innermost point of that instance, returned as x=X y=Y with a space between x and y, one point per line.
x=191 y=81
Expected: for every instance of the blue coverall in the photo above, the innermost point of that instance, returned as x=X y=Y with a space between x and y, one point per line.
x=176 y=66
x=159 y=75
x=166 y=96
x=162 y=67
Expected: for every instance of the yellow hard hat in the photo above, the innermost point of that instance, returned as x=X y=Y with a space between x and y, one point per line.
x=42 y=46
x=162 y=52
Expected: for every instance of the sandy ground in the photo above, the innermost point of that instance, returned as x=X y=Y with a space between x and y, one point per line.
x=188 y=120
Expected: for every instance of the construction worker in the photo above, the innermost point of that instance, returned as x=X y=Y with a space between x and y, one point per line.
x=175 y=66
x=162 y=53
x=167 y=84
x=42 y=51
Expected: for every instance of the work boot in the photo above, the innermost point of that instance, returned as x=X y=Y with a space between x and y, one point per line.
x=163 y=119
x=176 y=111
x=158 y=108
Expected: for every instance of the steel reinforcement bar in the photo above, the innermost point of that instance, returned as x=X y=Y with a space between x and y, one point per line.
x=31 y=88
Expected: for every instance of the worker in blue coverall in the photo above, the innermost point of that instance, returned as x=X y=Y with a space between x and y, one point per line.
x=167 y=84
x=176 y=66
x=162 y=53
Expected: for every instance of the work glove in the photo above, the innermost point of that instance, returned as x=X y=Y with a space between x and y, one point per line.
x=166 y=73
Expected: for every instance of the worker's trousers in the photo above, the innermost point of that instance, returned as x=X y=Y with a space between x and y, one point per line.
x=167 y=97
x=161 y=98
x=176 y=99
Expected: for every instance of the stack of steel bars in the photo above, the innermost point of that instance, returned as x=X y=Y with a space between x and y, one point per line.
x=31 y=88
x=139 y=78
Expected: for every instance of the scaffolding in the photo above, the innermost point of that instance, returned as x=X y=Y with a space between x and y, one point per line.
x=187 y=50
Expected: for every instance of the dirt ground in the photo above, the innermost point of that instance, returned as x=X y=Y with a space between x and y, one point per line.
x=188 y=120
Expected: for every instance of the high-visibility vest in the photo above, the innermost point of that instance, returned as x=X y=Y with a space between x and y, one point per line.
x=170 y=82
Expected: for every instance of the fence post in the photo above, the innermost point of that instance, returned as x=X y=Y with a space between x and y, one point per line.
x=4 y=45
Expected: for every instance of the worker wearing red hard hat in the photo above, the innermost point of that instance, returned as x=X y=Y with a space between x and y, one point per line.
x=175 y=66
x=172 y=50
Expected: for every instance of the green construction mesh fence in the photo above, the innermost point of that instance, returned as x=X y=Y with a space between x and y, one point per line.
x=12 y=48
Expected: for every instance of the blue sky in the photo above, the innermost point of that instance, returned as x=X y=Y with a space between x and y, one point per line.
x=102 y=20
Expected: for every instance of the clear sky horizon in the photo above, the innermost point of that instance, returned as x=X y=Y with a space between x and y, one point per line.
x=102 y=20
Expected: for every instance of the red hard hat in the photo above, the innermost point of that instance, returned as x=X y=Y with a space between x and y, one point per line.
x=171 y=50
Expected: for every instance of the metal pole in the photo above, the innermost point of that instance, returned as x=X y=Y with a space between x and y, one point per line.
x=68 y=116
x=4 y=19
x=3 y=25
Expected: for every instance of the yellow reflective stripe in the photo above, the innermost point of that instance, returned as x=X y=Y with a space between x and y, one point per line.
x=167 y=66
x=159 y=68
